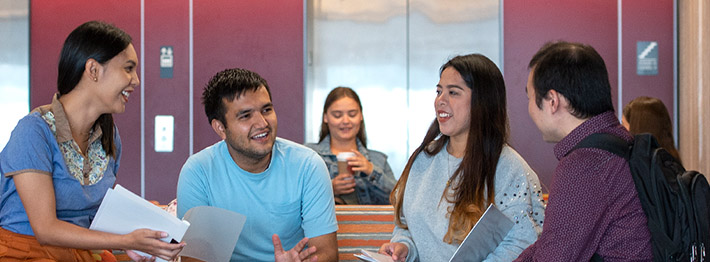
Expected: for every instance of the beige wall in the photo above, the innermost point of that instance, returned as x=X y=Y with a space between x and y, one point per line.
x=694 y=84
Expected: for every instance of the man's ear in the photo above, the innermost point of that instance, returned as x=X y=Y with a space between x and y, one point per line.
x=218 y=128
x=553 y=100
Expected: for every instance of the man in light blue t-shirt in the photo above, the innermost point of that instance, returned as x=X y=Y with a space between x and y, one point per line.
x=281 y=187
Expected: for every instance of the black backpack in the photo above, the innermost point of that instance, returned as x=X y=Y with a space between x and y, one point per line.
x=675 y=201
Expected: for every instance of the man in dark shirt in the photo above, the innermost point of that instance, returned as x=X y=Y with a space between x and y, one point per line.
x=593 y=205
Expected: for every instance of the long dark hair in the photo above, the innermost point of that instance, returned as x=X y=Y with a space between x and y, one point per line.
x=487 y=135
x=334 y=95
x=92 y=40
x=649 y=115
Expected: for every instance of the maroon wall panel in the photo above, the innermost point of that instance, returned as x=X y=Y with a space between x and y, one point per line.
x=528 y=24
x=166 y=24
x=267 y=37
x=648 y=21
x=50 y=23
x=263 y=36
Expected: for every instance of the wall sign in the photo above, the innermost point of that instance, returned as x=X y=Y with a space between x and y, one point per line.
x=647 y=58
x=166 y=62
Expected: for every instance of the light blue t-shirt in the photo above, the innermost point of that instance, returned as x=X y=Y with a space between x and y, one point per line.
x=293 y=197
x=33 y=147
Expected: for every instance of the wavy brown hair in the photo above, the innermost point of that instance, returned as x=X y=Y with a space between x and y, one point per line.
x=488 y=133
x=649 y=115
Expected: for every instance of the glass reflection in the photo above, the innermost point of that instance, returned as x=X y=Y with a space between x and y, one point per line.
x=390 y=52
x=14 y=65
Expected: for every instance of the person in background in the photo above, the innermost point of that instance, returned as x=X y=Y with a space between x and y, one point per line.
x=343 y=130
x=593 y=211
x=649 y=115
x=63 y=157
x=282 y=188
x=464 y=165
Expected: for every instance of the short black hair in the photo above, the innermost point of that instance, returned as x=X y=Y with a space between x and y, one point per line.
x=229 y=84
x=577 y=72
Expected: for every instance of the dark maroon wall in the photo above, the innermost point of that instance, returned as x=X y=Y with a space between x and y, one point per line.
x=648 y=21
x=528 y=24
x=50 y=23
x=166 y=24
x=267 y=37
x=263 y=36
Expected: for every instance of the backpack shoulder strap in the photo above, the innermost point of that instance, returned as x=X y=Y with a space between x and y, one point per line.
x=606 y=142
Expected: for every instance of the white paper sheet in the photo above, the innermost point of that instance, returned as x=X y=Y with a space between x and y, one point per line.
x=484 y=237
x=213 y=233
x=122 y=212
x=210 y=233
x=373 y=257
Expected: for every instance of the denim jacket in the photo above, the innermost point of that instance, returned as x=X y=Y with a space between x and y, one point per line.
x=371 y=190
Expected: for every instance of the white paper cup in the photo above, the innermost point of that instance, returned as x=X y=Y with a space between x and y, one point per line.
x=343 y=167
x=343 y=156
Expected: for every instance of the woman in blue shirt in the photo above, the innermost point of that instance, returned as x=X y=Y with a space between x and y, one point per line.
x=343 y=130
x=62 y=158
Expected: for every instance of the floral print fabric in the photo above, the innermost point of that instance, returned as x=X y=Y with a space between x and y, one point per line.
x=87 y=170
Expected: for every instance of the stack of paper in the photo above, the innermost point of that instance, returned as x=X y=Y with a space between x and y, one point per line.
x=122 y=212
x=212 y=236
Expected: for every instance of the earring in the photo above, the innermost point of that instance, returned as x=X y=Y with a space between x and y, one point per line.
x=95 y=79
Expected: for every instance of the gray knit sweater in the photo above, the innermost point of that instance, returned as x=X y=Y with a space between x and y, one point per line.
x=517 y=194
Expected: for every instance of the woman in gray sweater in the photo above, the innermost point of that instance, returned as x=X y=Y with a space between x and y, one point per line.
x=465 y=166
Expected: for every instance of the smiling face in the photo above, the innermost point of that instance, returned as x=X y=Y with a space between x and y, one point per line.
x=117 y=79
x=344 y=118
x=453 y=105
x=250 y=128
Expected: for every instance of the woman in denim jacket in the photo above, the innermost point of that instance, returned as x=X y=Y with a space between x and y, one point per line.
x=343 y=130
